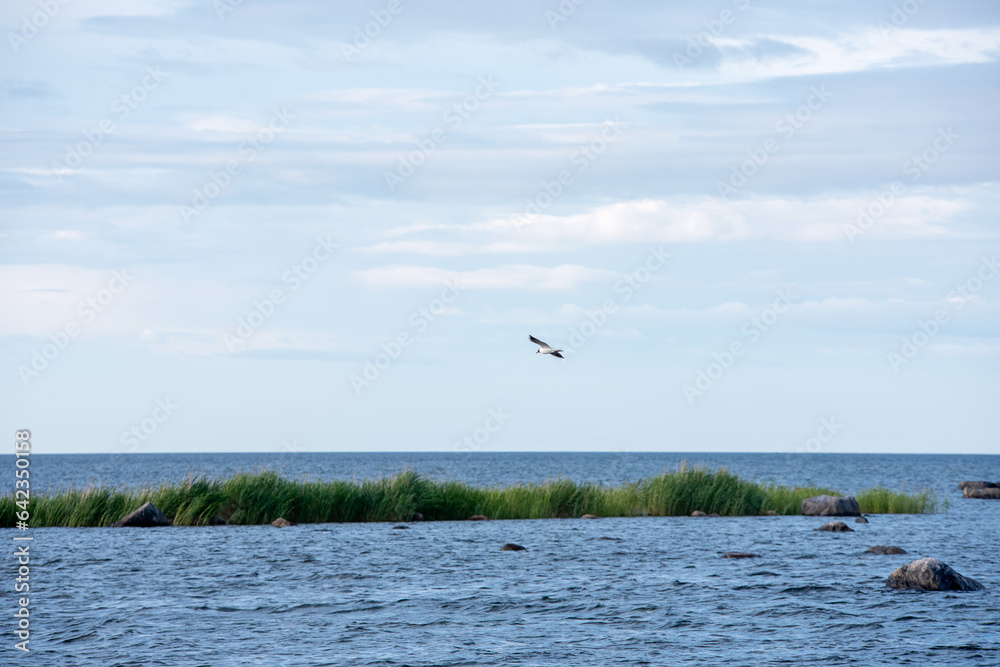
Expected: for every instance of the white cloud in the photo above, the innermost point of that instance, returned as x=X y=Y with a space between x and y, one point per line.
x=517 y=276
x=379 y=99
x=94 y=8
x=693 y=221
x=870 y=49
x=968 y=350
x=40 y=299
x=222 y=123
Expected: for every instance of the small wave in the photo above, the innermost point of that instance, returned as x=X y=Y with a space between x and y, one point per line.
x=855 y=626
x=76 y=638
x=811 y=588
x=304 y=605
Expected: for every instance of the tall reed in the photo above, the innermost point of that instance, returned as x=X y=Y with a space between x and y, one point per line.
x=262 y=496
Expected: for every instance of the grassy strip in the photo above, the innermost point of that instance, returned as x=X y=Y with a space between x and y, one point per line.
x=883 y=501
x=260 y=497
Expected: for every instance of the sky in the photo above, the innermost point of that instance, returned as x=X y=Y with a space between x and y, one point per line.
x=297 y=226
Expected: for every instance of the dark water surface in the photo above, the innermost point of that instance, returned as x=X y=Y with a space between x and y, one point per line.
x=612 y=591
x=845 y=472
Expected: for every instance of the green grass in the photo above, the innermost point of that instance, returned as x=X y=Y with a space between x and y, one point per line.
x=883 y=501
x=260 y=497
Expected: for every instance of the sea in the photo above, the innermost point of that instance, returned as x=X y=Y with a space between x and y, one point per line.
x=613 y=591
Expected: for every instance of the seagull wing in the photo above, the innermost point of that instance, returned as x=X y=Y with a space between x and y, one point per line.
x=536 y=341
x=556 y=354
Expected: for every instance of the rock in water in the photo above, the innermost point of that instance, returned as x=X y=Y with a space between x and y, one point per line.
x=770 y=513
x=698 y=513
x=831 y=506
x=218 y=520
x=883 y=550
x=590 y=516
x=417 y=516
x=962 y=486
x=861 y=519
x=146 y=516
x=836 y=527
x=400 y=527
x=282 y=522
x=478 y=517
x=510 y=546
x=930 y=574
x=738 y=554
x=986 y=493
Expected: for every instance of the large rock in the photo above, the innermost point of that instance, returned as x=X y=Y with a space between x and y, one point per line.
x=831 y=506
x=986 y=493
x=146 y=516
x=962 y=486
x=930 y=574
x=884 y=550
x=836 y=527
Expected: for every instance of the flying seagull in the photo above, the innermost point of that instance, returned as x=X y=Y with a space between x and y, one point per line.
x=544 y=348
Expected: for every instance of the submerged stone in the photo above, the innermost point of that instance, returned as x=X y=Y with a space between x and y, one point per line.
x=930 y=574
x=146 y=516
x=962 y=486
x=831 y=506
x=510 y=546
x=836 y=527
x=883 y=549
x=282 y=522
x=986 y=493
x=739 y=554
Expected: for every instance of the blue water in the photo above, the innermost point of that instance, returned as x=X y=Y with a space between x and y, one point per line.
x=657 y=592
x=844 y=472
